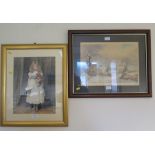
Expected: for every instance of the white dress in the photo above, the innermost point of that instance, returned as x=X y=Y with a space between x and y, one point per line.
x=35 y=90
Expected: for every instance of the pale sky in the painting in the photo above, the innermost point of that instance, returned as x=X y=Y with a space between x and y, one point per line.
x=110 y=50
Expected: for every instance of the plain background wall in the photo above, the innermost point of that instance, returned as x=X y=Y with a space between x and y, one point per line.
x=89 y=114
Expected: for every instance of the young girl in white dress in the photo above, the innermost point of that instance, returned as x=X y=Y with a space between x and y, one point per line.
x=34 y=89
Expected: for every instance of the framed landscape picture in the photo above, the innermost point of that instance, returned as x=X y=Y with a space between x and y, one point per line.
x=109 y=63
x=34 y=85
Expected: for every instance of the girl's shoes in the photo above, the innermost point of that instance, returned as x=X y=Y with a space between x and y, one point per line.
x=36 y=108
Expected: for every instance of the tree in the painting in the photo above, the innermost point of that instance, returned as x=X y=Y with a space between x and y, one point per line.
x=125 y=68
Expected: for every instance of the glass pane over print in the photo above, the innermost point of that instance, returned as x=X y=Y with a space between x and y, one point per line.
x=109 y=63
x=35 y=85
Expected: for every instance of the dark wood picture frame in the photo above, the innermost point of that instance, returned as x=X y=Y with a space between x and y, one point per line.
x=84 y=35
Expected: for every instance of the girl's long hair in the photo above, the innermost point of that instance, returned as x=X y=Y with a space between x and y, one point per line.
x=31 y=69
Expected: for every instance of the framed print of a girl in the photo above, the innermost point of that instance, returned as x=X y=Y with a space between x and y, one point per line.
x=35 y=90
x=34 y=85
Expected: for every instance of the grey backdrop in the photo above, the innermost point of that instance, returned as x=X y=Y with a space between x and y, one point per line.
x=89 y=114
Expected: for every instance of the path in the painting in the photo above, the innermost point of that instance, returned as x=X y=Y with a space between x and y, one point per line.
x=107 y=80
